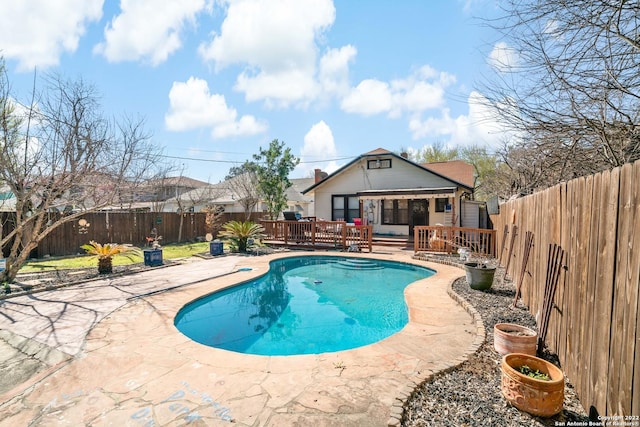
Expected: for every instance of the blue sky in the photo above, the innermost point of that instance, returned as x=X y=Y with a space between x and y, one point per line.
x=216 y=80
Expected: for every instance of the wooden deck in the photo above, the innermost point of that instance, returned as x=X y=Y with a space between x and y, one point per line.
x=340 y=235
x=319 y=234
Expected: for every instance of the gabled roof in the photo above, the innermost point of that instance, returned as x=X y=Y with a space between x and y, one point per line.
x=381 y=151
x=457 y=170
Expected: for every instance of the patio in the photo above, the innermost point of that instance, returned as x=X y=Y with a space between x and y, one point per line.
x=133 y=367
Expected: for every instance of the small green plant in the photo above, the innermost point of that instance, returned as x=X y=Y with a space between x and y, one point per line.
x=240 y=234
x=533 y=373
x=106 y=252
x=6 y=287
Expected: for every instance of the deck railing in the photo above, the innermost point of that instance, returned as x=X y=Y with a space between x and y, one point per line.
x=437 y=238
x=319 y=234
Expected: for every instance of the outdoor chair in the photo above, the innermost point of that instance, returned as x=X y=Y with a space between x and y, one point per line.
x=289 y=216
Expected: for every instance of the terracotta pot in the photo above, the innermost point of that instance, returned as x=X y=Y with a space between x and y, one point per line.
x=479 y=277
x=512 y=338
x=537 y=397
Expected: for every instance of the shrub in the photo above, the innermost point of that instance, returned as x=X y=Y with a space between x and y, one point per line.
x=239 y=234
x=106 y=252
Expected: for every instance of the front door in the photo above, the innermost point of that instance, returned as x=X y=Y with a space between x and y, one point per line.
x=419 y=214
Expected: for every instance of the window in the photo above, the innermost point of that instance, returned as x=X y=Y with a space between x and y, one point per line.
x=441 y=203
x=395 y=212
x=379 y=164
x=345 y=207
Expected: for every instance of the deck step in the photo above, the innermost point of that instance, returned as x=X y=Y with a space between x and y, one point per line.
x=391 y=241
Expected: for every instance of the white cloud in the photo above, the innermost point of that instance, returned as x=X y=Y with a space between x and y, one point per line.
x=503 y=57
x=422 y=90
x=334 y=70
x=278 y=89
x=37 y=32
x=479 y=127
x=246 y=126
x=148 y=29
x=192 y=106
x=368 y=98
x=318 y=144
x=276 y=41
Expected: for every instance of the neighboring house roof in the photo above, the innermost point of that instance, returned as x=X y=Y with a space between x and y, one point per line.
x=295 y=192
x=381 y=151
x=224 y=193
x=457 y=170
x=181 y=181
x=213 y=193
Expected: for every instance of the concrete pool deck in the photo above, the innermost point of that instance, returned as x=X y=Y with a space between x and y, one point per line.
x=120 y=361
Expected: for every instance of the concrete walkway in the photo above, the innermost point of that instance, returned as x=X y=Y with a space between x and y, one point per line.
x=121 y=362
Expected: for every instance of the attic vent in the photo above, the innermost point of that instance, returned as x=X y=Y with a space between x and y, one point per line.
x=379 y=164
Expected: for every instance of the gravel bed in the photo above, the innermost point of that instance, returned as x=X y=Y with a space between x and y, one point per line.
x=470 y=395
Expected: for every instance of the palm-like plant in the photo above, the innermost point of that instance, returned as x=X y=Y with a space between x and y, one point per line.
x=106 y=252
x=239 y=234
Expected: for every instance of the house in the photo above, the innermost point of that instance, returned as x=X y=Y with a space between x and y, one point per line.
x=230 y=195
x=298 y=202
x=394 y=194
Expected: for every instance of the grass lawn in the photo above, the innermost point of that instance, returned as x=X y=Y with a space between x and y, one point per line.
x=173 y=251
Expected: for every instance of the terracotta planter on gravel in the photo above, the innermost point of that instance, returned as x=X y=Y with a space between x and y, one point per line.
x=537 y=397
x=512 y=338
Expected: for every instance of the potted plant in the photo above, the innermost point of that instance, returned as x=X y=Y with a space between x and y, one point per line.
x=106 y=252
x=532 y=384
x=153 y=254
x=512 y=338
x=479 y=274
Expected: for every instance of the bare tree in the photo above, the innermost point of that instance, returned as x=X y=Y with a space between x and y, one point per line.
x=570 y=89
x=61 y=157
x=243 y=182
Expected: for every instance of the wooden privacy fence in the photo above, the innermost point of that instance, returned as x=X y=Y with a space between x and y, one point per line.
x=122 y=227
x=438 y=238
x=319 y=234
x=593 y=325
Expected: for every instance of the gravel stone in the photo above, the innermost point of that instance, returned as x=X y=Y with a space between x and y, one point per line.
x=470 y=394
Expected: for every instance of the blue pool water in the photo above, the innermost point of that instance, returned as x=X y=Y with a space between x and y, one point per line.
x=305 y=305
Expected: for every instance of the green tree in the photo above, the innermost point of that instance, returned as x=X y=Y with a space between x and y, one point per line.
x=436 y=153
x=484 y=163
x=273 y=167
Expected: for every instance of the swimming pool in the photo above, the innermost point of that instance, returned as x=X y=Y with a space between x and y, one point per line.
x=305 y=305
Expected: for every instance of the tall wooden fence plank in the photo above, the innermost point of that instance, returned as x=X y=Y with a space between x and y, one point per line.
x=600 y=345
x=618 y=346
x=583 y=202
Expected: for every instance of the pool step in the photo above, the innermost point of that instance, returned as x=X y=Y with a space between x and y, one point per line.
x=358 y=264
